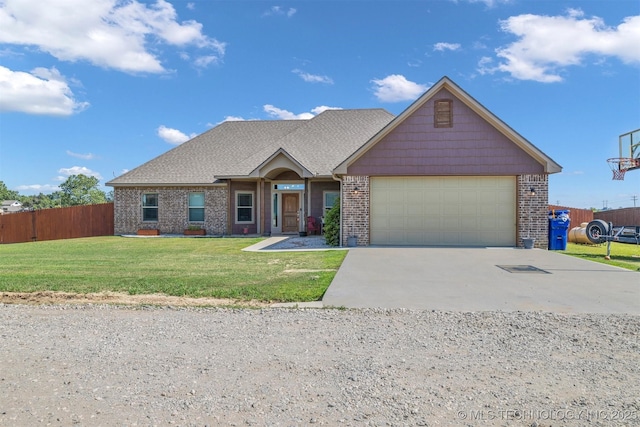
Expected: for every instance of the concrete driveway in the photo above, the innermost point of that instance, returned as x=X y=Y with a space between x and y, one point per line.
x=470 y=279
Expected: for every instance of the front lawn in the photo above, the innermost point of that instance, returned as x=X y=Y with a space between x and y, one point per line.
x=209 y=267
x=623 y=255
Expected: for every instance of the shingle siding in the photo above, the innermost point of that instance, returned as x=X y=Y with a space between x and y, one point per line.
x=471 y=147
x=317 y=193
x=173 y=209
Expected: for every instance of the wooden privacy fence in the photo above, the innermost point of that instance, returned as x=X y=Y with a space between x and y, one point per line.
x=577 y=216
x=57 y=223
x=624 y=216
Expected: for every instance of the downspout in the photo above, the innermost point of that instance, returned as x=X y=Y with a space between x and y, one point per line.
x=337 y=178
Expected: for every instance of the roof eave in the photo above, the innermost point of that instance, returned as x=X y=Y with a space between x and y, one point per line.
x=166 y=184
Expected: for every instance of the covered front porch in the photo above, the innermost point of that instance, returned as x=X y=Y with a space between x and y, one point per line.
x=280 y=197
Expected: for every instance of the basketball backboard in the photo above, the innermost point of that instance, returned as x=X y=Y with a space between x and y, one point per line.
x=630 y=146
x=629 y=159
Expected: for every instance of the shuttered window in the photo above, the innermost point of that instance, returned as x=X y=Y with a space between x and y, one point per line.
x=443 y=112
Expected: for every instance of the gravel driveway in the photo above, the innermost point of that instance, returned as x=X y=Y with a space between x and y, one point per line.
x=98 y=365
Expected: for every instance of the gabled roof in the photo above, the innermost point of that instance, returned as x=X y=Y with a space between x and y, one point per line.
x=550 y=166
x=237 y=149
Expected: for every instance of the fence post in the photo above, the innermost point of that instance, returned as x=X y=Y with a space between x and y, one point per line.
x=34 y=231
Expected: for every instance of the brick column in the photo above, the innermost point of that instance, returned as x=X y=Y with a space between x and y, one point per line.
x=355 y=209
x=532 y=212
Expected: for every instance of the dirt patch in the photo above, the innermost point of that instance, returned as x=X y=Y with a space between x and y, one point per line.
x=50 y=297
x=306 y=270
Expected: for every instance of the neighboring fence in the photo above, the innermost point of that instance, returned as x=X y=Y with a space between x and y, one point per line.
x=577 y=216
x=57 y=223
x=624 y=216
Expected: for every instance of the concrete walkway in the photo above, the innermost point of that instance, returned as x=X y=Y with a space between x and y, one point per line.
x=470 y=279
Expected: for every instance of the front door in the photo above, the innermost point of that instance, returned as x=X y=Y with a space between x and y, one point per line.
x=290 y=205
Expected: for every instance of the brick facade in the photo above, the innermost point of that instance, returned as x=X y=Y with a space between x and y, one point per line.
x=532 y=212
x=355 y=209
x=173 y=209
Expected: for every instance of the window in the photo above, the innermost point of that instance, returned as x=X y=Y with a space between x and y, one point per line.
x=443 y=113
x=150 y=207
x=330 y=198
x=244 y=207
x=196 y=207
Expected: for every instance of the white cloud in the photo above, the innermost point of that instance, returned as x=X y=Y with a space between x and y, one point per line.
x=233 y=119
x=312 y=78
x=173 y=136
x=77 y=170
x=442 y=46
x=43 y=91
x=284 y=114
x=205 y=61
x=191 y=6
x=395 y=88
x=87 y=156
x=110 y=33
x=280 y=11
x=287 y=115
x=488 y=3
x=38 y=188
x=546 y=45
x=323 y=108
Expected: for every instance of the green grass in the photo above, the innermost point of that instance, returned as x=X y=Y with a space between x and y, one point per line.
x=622 y=254
x=215 y=268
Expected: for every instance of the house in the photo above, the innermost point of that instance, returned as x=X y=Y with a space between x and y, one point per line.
x=446 y=171
x=10 y=206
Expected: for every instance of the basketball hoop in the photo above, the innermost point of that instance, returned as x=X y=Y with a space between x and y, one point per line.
x=620 y=165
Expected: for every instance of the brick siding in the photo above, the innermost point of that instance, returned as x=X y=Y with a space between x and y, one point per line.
x=173 y=209
x=533 y=219
x=355 y=209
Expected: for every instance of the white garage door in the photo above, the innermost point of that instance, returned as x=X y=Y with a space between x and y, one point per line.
x=449 y=211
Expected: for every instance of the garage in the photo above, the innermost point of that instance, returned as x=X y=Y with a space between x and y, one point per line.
x=443 y=210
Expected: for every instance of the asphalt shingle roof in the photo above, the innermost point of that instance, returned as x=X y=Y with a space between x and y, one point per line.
x=237 y=148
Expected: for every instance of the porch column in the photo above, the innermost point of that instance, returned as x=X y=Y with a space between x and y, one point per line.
x=305 y=211
x=261 y=226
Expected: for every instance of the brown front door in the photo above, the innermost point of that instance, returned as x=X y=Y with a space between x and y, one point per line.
x=290 y=204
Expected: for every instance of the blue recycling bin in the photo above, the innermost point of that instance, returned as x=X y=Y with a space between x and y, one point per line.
x=559 y=223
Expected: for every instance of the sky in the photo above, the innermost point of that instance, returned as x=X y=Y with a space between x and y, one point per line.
x=101 y=87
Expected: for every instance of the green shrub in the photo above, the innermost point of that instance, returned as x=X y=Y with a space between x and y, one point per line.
x=332 y=225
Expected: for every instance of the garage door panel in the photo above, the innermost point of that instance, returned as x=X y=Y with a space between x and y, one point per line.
x=456 y=211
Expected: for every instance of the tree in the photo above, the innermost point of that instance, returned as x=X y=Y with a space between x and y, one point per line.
x=6 y=194
x=81 y=190
x=332 y=225
x=42 y=201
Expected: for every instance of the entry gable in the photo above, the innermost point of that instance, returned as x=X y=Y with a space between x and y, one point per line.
x=279 y=162
x=447 y=132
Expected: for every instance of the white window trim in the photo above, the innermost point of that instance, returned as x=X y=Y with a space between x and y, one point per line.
x=143 y=207
x=253 y=207
x=189 y=207
x=324 y=199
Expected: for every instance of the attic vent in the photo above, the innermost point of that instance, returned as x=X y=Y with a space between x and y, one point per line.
x=443 y=113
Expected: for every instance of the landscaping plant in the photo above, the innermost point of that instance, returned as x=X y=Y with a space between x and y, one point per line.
x=332 y=225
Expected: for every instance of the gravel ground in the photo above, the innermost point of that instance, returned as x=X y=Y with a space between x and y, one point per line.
x=107 y=365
